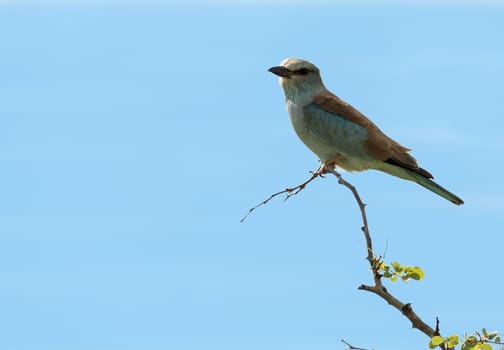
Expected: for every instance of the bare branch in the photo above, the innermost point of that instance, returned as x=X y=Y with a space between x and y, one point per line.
x=405 y=309
x=291 y=191
x=362 y=207
x=374 y=262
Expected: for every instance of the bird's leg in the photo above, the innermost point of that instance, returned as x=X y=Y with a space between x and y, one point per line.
x=329 y=165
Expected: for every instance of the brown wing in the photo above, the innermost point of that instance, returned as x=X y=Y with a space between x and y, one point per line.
x=379 y=146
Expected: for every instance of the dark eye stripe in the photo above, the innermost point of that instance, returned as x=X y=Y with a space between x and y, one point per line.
x=303 y=71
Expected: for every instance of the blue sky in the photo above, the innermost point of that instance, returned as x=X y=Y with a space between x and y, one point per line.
x=135 y=135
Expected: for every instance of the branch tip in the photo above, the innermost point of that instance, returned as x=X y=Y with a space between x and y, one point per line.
x=351 y=347
x=290 y=191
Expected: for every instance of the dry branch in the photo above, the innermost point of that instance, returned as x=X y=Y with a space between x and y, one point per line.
x=291 y=191
x=374 y=261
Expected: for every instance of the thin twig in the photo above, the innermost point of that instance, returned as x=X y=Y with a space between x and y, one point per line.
x=291 y=191
x=351 y=347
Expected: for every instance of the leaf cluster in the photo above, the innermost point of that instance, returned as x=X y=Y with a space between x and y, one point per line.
x=478 y=341
x=396 y=271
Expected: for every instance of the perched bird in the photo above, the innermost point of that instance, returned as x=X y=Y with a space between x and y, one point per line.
x=339 y=134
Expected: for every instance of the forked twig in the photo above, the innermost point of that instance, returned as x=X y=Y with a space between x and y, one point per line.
x=351 y=347
x=291 y=191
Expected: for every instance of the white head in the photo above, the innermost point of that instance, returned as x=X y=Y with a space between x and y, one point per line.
x=298 y=77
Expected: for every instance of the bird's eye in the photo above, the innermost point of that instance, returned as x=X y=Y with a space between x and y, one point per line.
x=303 y=71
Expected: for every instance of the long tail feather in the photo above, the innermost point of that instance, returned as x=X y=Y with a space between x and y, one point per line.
x=437 y=189
x=421 y=180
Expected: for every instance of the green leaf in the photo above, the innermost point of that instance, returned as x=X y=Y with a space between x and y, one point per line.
x=484 y=331
x=452 y=340
x=466 y=346
x=436 y=341
x=396 y=266
x=486 y=346
x=492 y=335
x=416 y=273
x=393 y=278
x=470 y=343
x=471 y=339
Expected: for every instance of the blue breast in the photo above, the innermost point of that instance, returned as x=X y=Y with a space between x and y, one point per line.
x=327 y=134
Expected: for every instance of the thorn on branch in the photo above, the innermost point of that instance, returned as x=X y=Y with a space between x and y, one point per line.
x=437 y=331
x=406 y=309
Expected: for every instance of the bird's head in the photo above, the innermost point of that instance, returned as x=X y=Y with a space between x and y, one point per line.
x=298 y=76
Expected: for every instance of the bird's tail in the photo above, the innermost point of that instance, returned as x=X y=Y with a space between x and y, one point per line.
x=422 y=181
x=434 y=187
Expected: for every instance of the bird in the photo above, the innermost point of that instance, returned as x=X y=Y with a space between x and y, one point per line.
x=339 y=134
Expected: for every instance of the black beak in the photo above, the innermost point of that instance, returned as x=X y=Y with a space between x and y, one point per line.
x=281 y=71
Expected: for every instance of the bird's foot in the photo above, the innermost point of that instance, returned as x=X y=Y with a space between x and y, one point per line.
x=329 y=165
x=320 y=171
